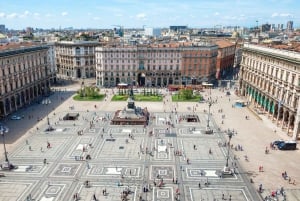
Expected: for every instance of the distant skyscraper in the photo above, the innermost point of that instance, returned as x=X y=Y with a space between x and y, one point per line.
x=280 y=27
x=273 y=27
x=289 y=26
x=265 y=27
x=155 y=32
x=2 y=28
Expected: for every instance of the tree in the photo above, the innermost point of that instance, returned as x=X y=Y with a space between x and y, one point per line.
x=186 y=93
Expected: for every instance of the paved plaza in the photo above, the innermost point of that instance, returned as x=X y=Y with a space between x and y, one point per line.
x=168 y=160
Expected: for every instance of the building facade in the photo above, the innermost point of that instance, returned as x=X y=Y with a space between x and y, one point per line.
x=225 y=59
x=24 y=76
x=154 y=65
x=75 y=59
x=270 y=79
x=52 y=62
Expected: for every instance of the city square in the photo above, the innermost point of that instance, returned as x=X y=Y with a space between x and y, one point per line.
x=90 y=157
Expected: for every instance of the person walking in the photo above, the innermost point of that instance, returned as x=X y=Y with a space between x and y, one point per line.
x=94 y=197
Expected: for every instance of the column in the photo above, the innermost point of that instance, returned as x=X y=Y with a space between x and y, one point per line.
x=283 y=118
x=289 y=122
x=297 y=122
x=15 y=99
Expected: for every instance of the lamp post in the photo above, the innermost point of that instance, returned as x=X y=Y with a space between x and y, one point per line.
x=209 y=105
x=208 y=129
x=3 y=130
x=6 y=165
x=230 y=134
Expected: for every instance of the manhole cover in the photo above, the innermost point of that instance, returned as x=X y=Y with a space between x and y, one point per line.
x=121 y=147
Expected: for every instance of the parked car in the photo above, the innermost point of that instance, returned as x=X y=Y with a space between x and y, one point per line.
x=15 y=117
x=277 y=142
x=287 y=145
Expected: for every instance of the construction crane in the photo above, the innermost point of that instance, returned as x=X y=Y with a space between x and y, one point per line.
x=119 y=31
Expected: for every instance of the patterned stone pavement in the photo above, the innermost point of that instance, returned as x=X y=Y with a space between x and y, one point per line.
x=147 y=167
x=150 y=166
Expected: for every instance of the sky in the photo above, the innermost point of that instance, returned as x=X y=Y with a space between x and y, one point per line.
x=19 y=14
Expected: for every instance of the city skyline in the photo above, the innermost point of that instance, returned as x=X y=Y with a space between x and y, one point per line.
x=136 y=13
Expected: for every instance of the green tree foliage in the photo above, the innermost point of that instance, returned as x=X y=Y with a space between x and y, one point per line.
x=88 y=92
x=186 y=93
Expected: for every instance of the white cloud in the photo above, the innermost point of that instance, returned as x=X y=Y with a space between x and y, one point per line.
x=48 y=15
x=36 y=14
x=119 y=15
x=285 y=15
x=216 y=13
x=64 y=13
x=2 y=15
x=281 y=15
x=141 y=16
x=26 y=13
x=12 y=15
x=96 y=18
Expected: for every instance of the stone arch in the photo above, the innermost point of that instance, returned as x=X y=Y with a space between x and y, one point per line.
x=2 y=114
x=292 y=121
x=31 y=95
x=141 y=79
x=13 y=103
x=27 y=95
x=275 y=108
x=18 y=99
x=285 y=116
x=280 y=113
x=23 y=100
x=7 y=105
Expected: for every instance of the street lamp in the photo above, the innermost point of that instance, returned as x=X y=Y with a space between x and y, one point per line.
x=209 y=105
x=3 y=130
x=208 y=129
x=6 y=165
x=226 y=170
x=230 y=134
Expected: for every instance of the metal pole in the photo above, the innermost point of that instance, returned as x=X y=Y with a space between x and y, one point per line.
x=209 y=105
x=5 y=153
x=230 y=136
x=48 y=121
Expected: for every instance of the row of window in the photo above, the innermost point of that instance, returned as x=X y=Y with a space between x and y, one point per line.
x=30 y=77
x=134 y=74
x=15 y=68
x=276 y=71
x=134 y=67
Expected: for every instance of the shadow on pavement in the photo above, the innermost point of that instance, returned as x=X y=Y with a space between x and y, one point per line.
x=32 y=114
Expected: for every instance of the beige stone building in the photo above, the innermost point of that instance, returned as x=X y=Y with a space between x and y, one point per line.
x=25 y=75
x=155 y=65
x=270 y=79
x=75 y=59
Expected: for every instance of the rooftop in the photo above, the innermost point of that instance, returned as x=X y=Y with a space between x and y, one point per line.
x=276 y=50
x=224 y=43
x=14 y=46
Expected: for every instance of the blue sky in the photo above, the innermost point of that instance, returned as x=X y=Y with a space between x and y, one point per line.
x=19 y=14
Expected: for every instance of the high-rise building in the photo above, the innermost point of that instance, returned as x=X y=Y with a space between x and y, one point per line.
x=270 y=79
x=280 y=27
x=2 y=28
x=289 y=26
x=24 y=75
x=155 y=32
